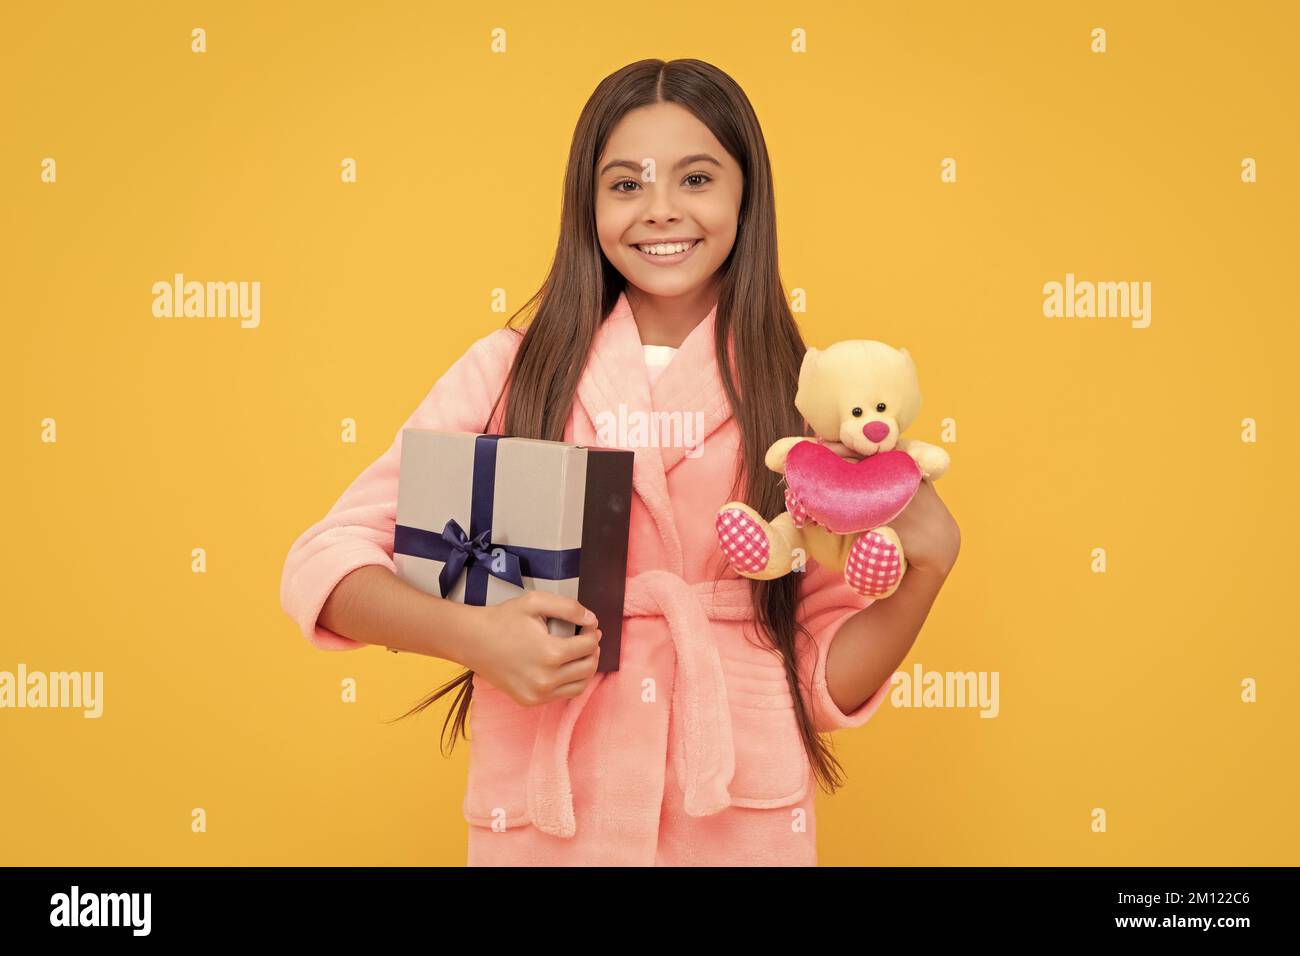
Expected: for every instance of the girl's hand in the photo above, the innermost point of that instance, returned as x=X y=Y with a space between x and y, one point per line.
x=928 y=531
x=512 y=650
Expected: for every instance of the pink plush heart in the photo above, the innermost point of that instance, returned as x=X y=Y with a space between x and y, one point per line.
x=847 y=496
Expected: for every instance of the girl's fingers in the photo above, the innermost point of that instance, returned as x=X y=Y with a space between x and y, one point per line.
x=564 y=608
x=578 y=647
x=571 y=690
x=578 y=670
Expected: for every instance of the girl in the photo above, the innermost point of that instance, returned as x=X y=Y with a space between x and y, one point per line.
x=702 y=749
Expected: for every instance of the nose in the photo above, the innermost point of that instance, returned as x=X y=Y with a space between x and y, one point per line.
x=662 y=207
x=875 y=431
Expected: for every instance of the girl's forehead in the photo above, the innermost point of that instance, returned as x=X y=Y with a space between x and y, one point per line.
x=663 y=126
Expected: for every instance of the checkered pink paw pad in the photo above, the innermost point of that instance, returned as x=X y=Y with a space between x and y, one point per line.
x=796 y=510
x=873 y=565
x=742 y=540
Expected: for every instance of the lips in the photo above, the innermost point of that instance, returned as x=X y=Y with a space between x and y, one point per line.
x=847 y=497
x=662 y=242
x=675 y=258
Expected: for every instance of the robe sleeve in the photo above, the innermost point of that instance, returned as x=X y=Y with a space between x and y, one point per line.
x=358 y=529
x=826 y=602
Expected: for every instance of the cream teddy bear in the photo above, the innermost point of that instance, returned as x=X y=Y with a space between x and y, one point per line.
x=844 y=486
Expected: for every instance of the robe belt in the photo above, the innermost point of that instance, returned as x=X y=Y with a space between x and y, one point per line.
x=700 y=735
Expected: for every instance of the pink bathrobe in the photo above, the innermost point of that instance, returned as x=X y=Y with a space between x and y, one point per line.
x=689 y=754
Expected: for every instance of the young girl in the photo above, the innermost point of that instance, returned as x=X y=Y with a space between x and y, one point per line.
x=664 y=296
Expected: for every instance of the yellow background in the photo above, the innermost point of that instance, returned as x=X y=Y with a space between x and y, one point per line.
x=1118 y=690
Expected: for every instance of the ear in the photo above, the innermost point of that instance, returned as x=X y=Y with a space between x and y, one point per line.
x=815 y=397
x=807 y=366
x=908 y=356
x=805 y=396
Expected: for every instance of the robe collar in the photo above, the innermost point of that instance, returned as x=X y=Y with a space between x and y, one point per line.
x=616 y=374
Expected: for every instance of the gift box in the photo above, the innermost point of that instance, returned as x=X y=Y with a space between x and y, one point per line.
x=483 y=518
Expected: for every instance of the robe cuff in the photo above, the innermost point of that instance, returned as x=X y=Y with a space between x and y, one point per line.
x=305 y=592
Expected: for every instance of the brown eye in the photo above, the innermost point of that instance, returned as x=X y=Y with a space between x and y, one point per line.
x=880 y=407
x=857 y=413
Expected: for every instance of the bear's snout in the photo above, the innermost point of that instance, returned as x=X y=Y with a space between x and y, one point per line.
x=875 y=431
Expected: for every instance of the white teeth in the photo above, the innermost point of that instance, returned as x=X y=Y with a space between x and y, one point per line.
x=667 y=248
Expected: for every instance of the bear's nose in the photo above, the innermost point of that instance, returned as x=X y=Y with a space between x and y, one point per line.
x=875 y=431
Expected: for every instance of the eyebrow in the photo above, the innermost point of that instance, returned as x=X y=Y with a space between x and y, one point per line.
x=636 y=167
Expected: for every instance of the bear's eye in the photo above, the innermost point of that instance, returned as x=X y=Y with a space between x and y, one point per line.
x=857 y=413
x=880 y=407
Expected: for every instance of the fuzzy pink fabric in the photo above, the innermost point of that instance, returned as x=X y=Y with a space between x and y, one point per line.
x=690 y=753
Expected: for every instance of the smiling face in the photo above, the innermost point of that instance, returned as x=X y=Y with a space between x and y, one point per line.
x=665 y=184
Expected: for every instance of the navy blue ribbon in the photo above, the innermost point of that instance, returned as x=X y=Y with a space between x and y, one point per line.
x=475 y=553
x=478 y=549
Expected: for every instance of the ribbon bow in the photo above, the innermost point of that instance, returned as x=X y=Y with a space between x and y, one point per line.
x=478 y=550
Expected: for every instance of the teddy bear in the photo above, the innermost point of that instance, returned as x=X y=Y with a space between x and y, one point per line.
x=843 y=487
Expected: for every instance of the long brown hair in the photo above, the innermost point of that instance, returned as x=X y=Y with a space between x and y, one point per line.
x=582 y=288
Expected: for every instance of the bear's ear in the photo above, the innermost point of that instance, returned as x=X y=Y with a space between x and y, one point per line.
x=804 y=389
x=908 y=356
x=806 y=367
